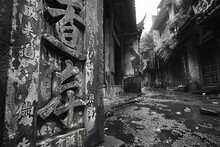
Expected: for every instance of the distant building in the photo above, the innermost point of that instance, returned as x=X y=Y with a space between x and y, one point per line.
x=189 y=34
x=121 y=35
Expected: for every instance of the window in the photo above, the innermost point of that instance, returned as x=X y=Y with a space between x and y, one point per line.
x=209 y=67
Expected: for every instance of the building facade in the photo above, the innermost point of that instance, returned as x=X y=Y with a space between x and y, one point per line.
x=121 y=37
x=58 y=60
x=193 y=60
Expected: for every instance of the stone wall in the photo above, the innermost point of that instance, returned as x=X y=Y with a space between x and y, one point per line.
x=5 y=27
x=54 y=73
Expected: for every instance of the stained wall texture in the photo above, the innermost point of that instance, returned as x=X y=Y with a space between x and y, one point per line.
x=55 y=74
x=5 y=23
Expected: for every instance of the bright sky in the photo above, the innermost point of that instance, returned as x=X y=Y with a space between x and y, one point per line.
x=146 y=6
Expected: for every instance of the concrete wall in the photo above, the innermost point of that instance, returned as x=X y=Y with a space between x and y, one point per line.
x=22 y=74
x=53 y=95
x=5 y=27
x=109 y=51
x=132 y=82
x=177 y=68
x=193 y=64
x=218 y=60
x=131 y=58
x=172 y=73
x=95 y=112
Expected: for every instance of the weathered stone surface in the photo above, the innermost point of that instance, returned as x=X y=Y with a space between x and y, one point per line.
x=94 y=121
x=72 y=138
x=54 y=95
x=208 y=111
x=5 y=22
x=64 y=48
x=62 y=68
x=23 y=73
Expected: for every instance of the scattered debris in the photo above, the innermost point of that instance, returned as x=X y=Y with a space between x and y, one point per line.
x=158 y=130
x=216 y=103
x=203 y=93
x=187 y=109
x=182 y=88
x=140 y=94
x=209 y=126
x=105 y=129
x=178 y=113
x=153 y=112
x=135 y=122
x=181 y=85
x=137 y=109
x=207 y=111
x=169 y=140
x=140 y=127
x=196 y=128
x=109 y=113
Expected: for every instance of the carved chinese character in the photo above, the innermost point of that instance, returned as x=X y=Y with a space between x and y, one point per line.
x=28 y=30
x=61 y=98
x=30 y=12
x=24 y=143
x=71 y=25
x=59 y=86
x=60 y=142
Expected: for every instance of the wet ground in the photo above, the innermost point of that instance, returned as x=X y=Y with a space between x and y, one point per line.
x=166 y=119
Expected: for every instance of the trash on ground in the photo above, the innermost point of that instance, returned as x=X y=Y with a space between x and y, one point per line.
x=158 y=130
x=136 y=122
x=187 y=109
x=215 y=103
x=181 y=85
x=178 y=113
x=140 y=127
x=204 y=125
x=207 y=111
x=105 y=129
x=109 y=113
x=153 y=112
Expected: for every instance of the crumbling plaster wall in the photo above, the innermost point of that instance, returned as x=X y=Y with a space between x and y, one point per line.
x=131 y=59
x=22 y=67
x=5 y=27
x=193 y=64
x=132 y=82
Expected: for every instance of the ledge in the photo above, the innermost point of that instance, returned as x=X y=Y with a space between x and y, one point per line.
x=56 y=43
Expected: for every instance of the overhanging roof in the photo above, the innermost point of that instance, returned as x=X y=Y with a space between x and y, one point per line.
x=161 y=4
x=159 y=18
x=125 y=11
x=164 y=3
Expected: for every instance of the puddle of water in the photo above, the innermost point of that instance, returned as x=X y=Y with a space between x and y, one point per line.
x=162 y=97
x=166 y=134
x=173 y=127
x=116 y=129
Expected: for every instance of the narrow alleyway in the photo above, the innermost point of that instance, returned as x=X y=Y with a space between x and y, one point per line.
x=162 y=118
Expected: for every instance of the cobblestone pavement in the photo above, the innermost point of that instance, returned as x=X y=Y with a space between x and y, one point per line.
x=162 y=118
